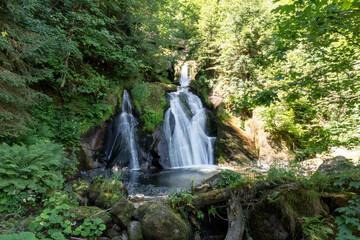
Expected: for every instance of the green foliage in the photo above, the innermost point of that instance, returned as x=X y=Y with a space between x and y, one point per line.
x=149 y=100
x=317 y=228
x=349 y=223
x=297 y=58
x=200 y=215
x=70 y=56
x=349 y=220
x=30 y=171
x=230 y=179
x=181 y=201
x=56 y=221
x=212 y=211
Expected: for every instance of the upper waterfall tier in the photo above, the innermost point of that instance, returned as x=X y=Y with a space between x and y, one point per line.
x=185 y=126
x=185 y=78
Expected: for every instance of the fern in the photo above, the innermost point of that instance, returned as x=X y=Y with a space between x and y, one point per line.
x=31 y=169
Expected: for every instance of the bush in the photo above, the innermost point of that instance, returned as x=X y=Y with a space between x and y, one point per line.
x=27 y=172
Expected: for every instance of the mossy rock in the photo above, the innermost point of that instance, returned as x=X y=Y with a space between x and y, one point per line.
x=122 y=212
x=134 y=231
x=106 y=192
x=335 y=166
x=150 y=103
x=80 y=187
x=161 y=223
x=82 y=212
x=278 y=215
x=140 y=212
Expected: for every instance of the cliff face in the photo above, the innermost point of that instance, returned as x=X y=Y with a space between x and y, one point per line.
x=242 y=138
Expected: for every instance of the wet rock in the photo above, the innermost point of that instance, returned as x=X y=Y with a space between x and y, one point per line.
x=122 y=212
x=91 y=143
x=161 y=223
x=134 y=230
x=159 y=151
x=82 y=212
x=106 y=192
x=278 y=214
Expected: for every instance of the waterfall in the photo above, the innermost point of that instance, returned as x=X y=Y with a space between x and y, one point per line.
x=123 y=146
x=185 y=78
x=185 y=126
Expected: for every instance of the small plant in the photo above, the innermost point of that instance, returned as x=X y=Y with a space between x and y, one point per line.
x=56 y=221
x=180 y=200
x=274 y=196
x=230 y=179
x=212 y=211
x=90 y=228
x=200 y=215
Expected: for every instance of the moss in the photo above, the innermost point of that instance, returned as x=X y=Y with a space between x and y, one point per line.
x=221 y=160
x=82 y=212
x=106 y=192
x=122 y=212
x=150 y=102
x=134 y=231
x=161 y=223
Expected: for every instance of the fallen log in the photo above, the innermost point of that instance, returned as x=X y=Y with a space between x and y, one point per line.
x=211 y=198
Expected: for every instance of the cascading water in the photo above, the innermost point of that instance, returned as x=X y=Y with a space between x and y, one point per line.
x=185 y=127
x=123 y=146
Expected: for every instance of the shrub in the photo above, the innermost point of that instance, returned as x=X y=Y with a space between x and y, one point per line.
x=30 y=171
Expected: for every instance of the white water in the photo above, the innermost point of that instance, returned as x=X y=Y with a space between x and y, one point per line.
x=125 y=130
x=185 y=78
x=185 y=128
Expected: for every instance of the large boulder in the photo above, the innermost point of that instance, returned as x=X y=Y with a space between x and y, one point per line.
x=106 y=192
x=122 y=212
x=335 y=166
x=278 y=214
x=161 y=223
